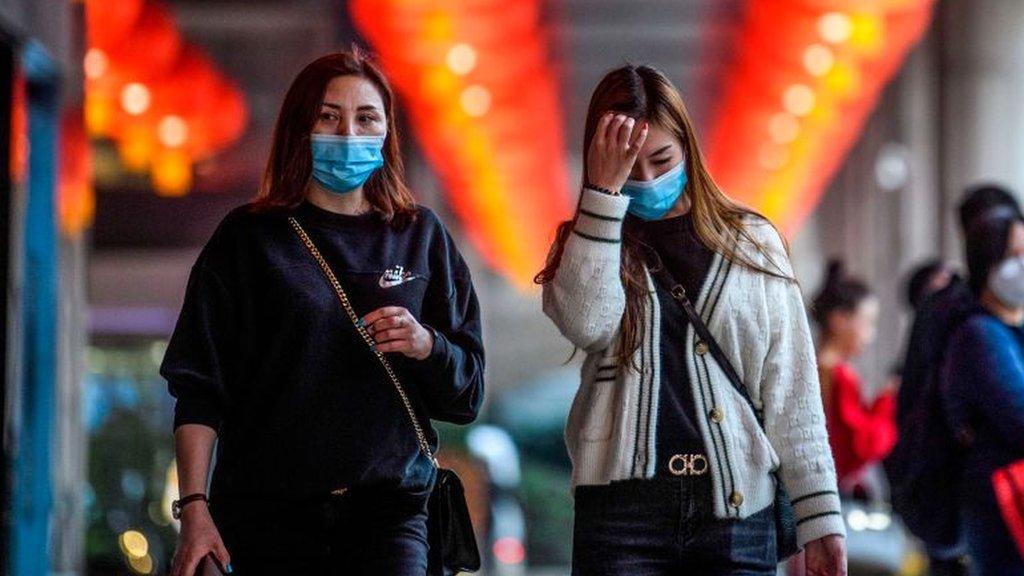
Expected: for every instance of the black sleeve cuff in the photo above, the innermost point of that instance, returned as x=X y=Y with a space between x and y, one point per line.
x=197 y=411
x=438 y=353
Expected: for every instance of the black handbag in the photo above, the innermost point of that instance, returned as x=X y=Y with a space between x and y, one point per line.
x=785 y=517
x=449 y=525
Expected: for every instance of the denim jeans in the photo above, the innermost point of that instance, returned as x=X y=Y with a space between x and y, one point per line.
x=361 y=532
x=664 y=526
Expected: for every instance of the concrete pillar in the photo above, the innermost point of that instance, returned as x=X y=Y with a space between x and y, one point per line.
x=981 y=43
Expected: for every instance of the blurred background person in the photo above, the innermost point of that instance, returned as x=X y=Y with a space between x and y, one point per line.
x=926 y=448
x=982 y=380
x=927 y=279
x=935 y=309
x=861 y=433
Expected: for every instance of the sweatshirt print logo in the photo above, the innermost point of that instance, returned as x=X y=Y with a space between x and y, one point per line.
x=394 y=276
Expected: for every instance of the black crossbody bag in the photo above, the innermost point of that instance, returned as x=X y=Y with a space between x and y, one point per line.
x=449 y=524
x=785 y=517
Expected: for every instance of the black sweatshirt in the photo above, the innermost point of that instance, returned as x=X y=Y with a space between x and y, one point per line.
x=684 y=256
x=264 y=353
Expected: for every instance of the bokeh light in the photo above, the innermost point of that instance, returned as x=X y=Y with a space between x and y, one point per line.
x=818 y=59
x=475 y=100
x=798 y=99
x=136 y=98
x=461 y=59
x=835 y=27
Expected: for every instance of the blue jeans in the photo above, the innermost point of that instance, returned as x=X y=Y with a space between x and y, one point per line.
x=665 y=526
x=362 y=532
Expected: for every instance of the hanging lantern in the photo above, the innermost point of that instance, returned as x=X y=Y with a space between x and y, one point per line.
x=19 y=128
x=76 y=201
x=224 y=122
x=189 y=86
x=100 y=109
x=149 y=50
x=172 y=172
x=460 y=66
x=153 y=94
x=136 y=145
x=108 y=22
x=807 y=75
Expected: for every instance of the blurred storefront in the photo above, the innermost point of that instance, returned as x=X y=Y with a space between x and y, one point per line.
x=43 y=316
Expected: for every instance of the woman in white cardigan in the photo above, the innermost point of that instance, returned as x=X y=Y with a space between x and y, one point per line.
x=673 y=472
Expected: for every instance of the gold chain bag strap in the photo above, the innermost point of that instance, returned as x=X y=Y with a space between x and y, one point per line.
x=454 y=536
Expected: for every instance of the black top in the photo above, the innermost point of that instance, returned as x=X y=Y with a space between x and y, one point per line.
x=687 y=260
x=264 y=353
x=934 y=321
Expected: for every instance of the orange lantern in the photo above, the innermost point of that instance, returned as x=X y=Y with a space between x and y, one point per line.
x=19 y=128
x=172 y=172
x=162 y=101
x=460 y=65
x=136 y=145
x=807 y=75
x=76 y=201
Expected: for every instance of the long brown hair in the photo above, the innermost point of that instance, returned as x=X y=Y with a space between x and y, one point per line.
x=290 y=166
x=643 y=92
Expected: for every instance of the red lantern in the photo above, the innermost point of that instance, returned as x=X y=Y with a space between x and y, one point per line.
x=108 y=22
x=149 y=50
x=76 y=202
x=823 y=61
x=229 y=118
x=189 y=87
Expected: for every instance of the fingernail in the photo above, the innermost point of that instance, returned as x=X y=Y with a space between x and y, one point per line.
x=646 y=124
x=229 y=569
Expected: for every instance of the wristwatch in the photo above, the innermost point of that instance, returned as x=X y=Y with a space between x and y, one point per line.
x=177 y=505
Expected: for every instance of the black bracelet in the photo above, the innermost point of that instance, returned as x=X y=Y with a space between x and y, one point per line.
x=601 y=190
x=177 y=505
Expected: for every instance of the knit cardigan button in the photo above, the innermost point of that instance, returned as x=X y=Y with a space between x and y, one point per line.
x=736 y=499
x=702 y=348
x=716 y=415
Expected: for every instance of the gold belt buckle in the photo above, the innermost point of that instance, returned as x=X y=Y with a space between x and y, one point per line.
x=688 y=465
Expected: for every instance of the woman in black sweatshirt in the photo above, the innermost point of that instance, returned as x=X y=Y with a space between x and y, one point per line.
x=318 y=462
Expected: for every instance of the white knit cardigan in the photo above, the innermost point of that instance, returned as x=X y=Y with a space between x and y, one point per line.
x=761 y=325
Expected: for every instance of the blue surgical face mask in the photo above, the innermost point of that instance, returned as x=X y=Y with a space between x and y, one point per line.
x=343 y=163
x=1007 y=282
x=652 y=199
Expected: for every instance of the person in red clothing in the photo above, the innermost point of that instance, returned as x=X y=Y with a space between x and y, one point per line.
x=860 y=433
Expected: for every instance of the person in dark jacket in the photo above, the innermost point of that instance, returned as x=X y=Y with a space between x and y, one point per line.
x=319 y=468
x=982 y=379
x=934 y=318
x=927 y=279
x=934 y=314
